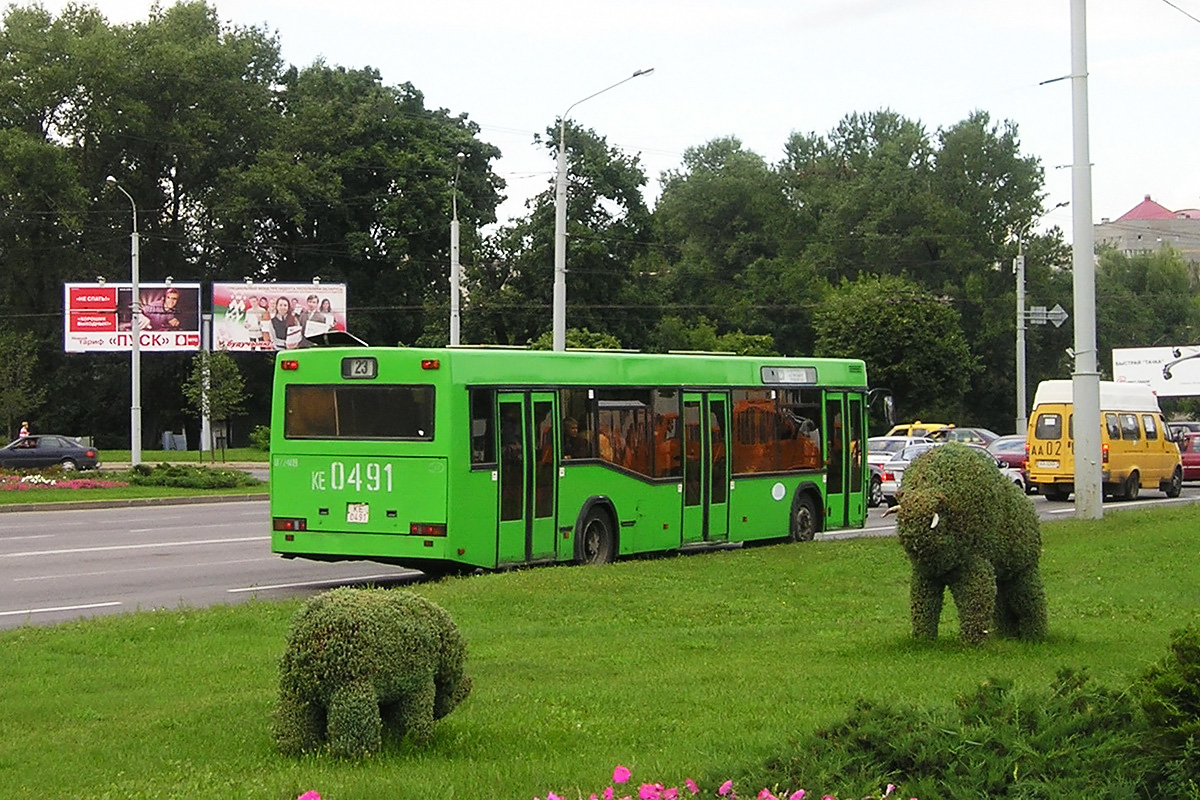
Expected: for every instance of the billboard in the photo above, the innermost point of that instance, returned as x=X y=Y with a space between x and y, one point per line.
x=98 y=317
x=1146 y=364
x=275 y=316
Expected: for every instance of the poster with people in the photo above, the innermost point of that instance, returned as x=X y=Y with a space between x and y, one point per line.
x=275 y=316
x=101 y=317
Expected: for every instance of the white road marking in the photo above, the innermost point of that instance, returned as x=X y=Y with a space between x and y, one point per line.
x=147 y=546
x=57 y=608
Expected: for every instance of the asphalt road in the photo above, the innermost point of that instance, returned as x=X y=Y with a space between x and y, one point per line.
x=59 y=565
x=62 y=565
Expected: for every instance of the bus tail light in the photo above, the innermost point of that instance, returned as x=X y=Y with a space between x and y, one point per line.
x=430 y=363
x=427 y=528
x=288 y=524
x=1104 y=452
x=289 y=365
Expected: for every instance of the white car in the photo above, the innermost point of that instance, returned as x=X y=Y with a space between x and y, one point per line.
x=881 y=449
x=893 y=470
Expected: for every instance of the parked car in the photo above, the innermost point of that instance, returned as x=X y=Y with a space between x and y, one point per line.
x=1189 y=454
x=1011 y=451
x=43 y=450
x=980 y=436
x=881 y=449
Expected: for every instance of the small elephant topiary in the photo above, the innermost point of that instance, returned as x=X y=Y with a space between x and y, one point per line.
x=968 y=528
x=360 y=659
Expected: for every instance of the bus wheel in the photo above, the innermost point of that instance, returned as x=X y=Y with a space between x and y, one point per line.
x=596 y=539
x=1132 y=485
x=1175 y=485
x=804 y=519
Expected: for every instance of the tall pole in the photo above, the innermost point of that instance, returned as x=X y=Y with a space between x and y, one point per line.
x=1085 y=381
x=1022 y=422
x=455 y=268
x=135 y=361
x=1022 y=418
x=559 y=324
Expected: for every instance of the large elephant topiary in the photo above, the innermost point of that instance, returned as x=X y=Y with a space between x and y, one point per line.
x=968 y=528
x=360 y=659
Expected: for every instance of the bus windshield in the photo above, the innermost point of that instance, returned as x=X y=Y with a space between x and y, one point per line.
x=358 y=412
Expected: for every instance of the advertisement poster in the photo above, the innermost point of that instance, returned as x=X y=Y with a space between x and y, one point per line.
x=1146 y=365
x=275 y=316
x=98 y=317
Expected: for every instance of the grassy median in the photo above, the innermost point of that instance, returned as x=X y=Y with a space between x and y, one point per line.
x=696 y=666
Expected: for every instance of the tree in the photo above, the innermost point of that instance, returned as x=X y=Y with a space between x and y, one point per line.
x=912 y=343
x=607 y=231
x=20 y=390
x=215 y=389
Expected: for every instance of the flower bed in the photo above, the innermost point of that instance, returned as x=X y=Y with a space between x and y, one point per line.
x=19 y=483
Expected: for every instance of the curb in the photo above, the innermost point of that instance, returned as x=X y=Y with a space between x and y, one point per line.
x=84 y=505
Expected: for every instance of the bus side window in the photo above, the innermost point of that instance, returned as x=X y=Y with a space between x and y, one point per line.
x=668 y=452
x=1114 y=429
x=1129 y=427
x=483 y=426
x=1150 y=426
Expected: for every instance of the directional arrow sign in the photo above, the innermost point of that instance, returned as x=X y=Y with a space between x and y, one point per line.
x=1057 y=315
x=1037 y=315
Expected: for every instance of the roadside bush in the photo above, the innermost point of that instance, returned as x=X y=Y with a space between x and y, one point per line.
x=1077 y=740
x=186 y=477
x=1169 y=693
x=260 y=438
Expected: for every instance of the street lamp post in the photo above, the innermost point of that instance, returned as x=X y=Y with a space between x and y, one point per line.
x=455 y=269
x=560 y=220
x=135 y=364
x=1022 y=419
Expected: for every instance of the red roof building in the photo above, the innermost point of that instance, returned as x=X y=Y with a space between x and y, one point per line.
x=1149 y=226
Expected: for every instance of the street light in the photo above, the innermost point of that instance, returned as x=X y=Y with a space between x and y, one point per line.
x=455 y=269
x=1019 y=268
x=135 y=363
x=560 y=220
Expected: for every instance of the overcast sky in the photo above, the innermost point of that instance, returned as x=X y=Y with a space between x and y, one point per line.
x=761 y=69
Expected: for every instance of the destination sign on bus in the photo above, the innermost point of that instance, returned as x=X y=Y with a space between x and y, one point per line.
x=790 y=375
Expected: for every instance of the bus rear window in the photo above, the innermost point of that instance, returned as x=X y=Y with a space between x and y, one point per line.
x=358 y=412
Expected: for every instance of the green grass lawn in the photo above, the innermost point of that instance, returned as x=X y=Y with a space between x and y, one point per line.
x=698 y=666
x=188 y=456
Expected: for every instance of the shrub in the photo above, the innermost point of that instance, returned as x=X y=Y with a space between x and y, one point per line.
x=1169 y=692
x=189 y=477
x=1076 y=740
x=260 y=438
x=360 y=659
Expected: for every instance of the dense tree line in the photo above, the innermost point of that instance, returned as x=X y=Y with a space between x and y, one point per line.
x=878 y=239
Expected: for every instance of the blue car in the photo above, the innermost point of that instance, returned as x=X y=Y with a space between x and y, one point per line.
x=48 y=450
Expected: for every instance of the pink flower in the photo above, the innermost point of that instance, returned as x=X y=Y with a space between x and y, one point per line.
x=691 y=786
x=553 y=796
x=620 y=774
x=765 y=794
x=798 y=795
x=650 y=791
x=608 y=793
x=726 y=789
x=309 y=796
x=891 y=787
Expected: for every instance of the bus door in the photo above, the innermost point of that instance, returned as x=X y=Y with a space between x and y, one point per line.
x=845 y=498
x=705 y=467
x=526 y=476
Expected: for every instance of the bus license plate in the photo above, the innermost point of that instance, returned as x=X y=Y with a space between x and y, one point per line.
x=1047 y=465
x=358 y=512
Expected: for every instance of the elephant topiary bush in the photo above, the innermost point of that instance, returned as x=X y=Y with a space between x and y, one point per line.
x=967 y=528
x=358 y=660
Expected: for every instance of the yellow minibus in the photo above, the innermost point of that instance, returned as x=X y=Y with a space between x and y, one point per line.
x=1136 y=448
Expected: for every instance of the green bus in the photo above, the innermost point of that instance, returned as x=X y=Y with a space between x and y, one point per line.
x=446 y=460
